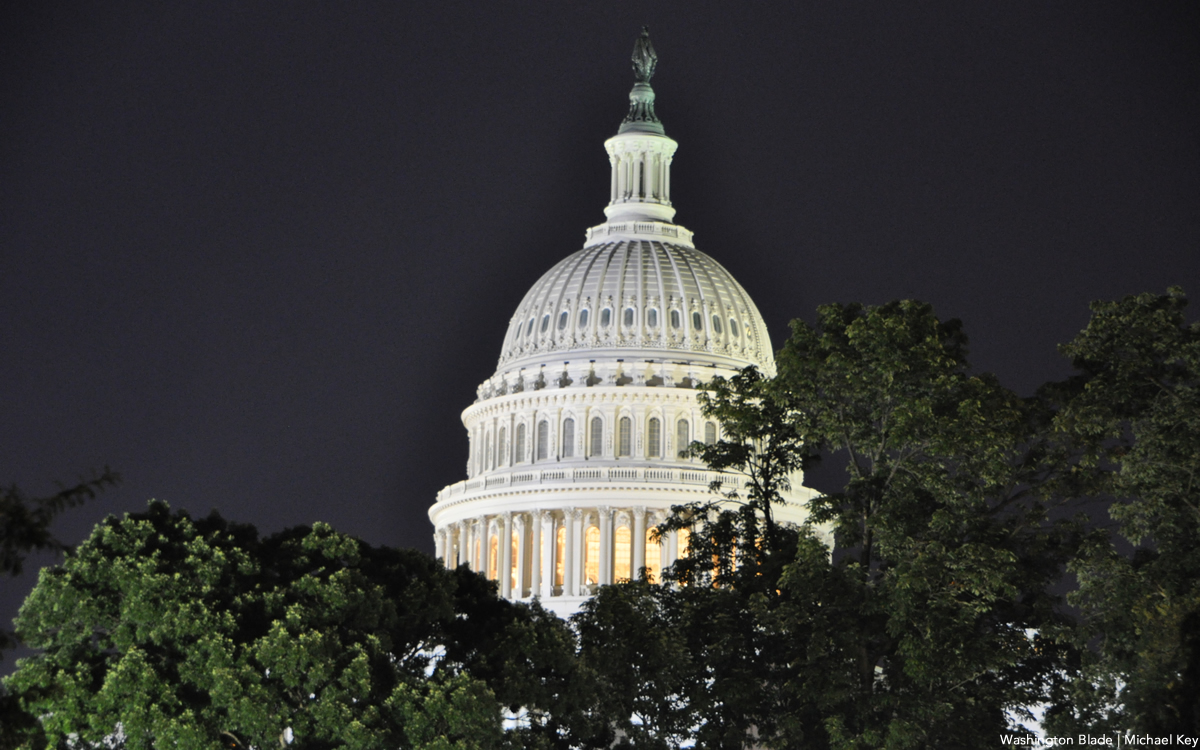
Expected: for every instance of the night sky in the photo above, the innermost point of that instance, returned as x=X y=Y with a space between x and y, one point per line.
x=257 y=256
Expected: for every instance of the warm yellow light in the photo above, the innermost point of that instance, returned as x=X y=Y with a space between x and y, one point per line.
x=560 y=555
x=653 y=557
x=493 y=570
x=623 y=548
x=516 y=557
x=591 y=567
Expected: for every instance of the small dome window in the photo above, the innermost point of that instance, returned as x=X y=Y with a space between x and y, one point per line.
x=562 y=320
x=605 y=317
x=596 y=446
x=652 y=318
x=545 y=322
x=629 y=316
x=716 y=325
x=697 y=322
x=583 y=318
x=624 y=436
x=568 y=438
x=675 y=321
x=733 y=327
x=654 y=438
x=529 y=330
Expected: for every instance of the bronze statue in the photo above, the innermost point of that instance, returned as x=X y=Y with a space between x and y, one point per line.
x=644 y=58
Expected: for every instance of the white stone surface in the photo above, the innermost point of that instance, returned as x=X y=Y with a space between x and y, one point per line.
x=575 y=439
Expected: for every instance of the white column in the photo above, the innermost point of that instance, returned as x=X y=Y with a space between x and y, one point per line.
x=671 y=549
x=549 y=540
x=504 y=574
x=478 y=539
x=533 y=553
x=606 y=545
x=639 y=541
x=522 y=556
x=574 y=551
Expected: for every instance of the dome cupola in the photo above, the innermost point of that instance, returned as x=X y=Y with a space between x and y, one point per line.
x=639 y=290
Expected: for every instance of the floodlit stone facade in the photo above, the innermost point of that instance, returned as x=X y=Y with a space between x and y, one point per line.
x=576 y=438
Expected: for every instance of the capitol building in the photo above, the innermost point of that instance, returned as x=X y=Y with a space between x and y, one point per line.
x=577 y=440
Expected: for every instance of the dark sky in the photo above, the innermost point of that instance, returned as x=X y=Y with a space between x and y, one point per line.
x=257 y=256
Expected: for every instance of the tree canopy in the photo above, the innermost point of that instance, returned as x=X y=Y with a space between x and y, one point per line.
x=919 y=608
x=1136 y=416
x=165 y=630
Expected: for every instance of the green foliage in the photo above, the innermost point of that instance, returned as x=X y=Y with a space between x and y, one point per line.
x=25 y=528
x=930 y=622
x=1136 y=415
x=168 y=631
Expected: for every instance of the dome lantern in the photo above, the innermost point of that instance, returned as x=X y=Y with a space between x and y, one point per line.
x=640 y=153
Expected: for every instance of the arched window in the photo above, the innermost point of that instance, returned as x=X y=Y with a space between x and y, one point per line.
x=733 y=327
x=624 y=436
x=493 y=558
x=682 y=436
x=652 y=318
x=654 y=438
x=562 y=320
x=591 y=563
x=653 y=556
x=529 y=330
x=710 y=433
x=545 y=322
x=684 y=537
x=543 y=440
x=583 y=316
x=675 y=321
x=629 y=316
x=716 y=324
x=697 y=322
x=520 y=446
x=503 y=447
x=560 y=555
x=568 y=438
x=596 y=448
x=605 y=317
x=622 y=550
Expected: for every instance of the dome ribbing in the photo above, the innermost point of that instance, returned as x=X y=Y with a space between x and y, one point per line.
x=641 y=299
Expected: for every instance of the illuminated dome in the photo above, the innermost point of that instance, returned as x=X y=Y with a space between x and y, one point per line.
x=646 y=298
x=578 y=441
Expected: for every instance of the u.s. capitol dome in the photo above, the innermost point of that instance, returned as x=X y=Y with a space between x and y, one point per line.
x=576 y=440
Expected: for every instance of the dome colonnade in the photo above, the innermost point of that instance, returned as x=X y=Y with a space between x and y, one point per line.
x=577 y=439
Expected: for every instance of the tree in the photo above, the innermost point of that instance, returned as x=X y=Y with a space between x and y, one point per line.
x=1136 y=415
x=25 y=523
x=24 y=528
x=164 y=630
x=929 y=625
